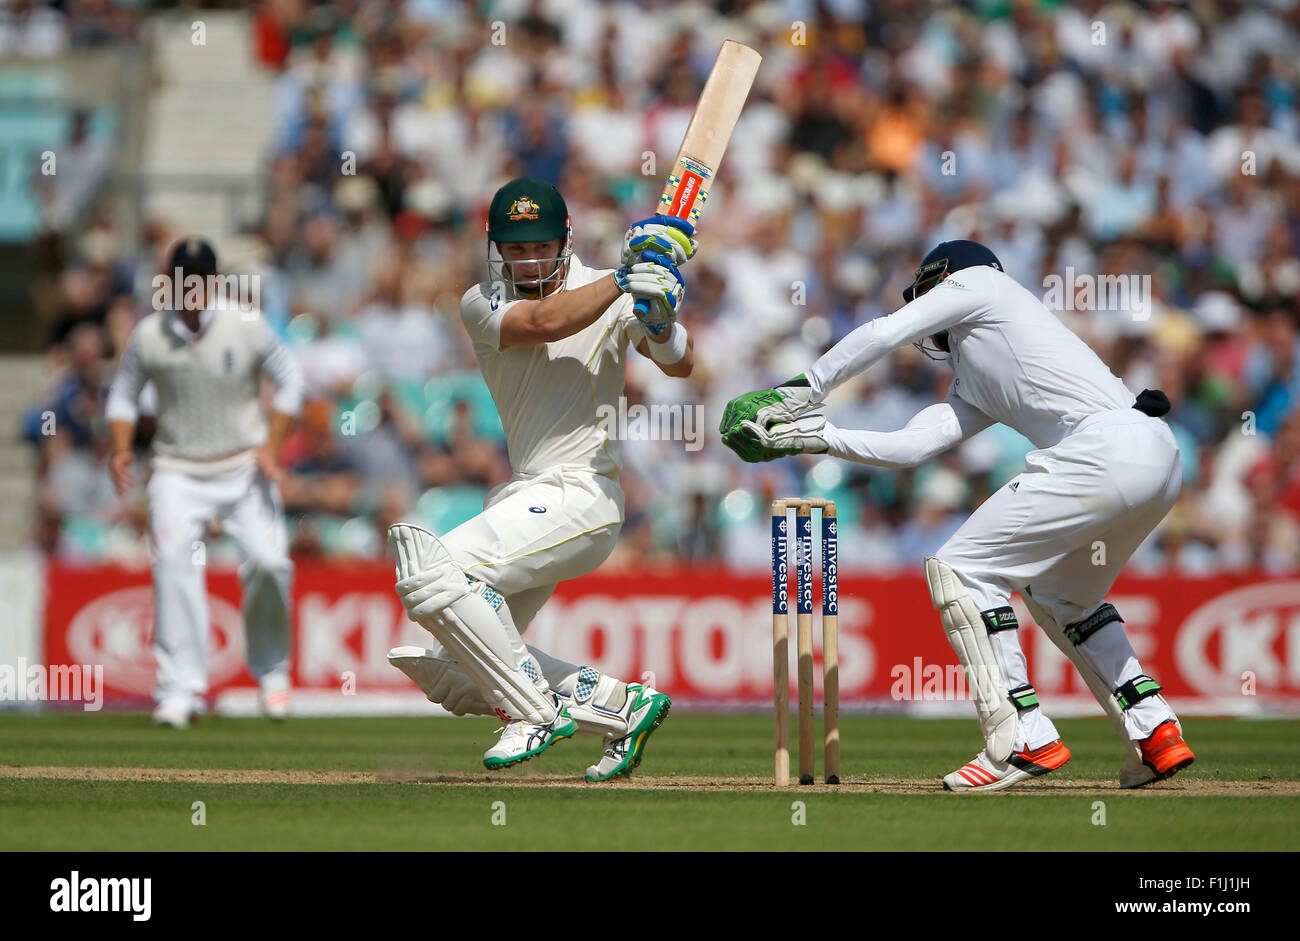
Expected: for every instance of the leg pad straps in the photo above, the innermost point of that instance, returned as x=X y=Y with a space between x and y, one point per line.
x=999 y=619
x=1082 y=629
x=1135 y=690
x=1024 y=697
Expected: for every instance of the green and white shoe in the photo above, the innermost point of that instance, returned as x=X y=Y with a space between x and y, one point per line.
x=646 y=710
x=522 y=740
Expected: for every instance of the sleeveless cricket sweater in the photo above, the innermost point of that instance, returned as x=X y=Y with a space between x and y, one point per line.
x=208 y=388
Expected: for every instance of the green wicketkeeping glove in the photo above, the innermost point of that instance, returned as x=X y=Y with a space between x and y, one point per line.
x=764 y=407
x=804 y=435
x=745 y=408
x=793 y=400
x=748 y=449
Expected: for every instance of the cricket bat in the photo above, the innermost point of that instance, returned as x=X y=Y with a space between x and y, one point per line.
x=716 y=114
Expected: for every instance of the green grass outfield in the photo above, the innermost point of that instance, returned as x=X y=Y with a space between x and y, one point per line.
x=417 y=784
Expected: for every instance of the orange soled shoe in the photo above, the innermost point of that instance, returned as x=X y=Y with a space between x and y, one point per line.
x=983 y=774
x=1165 y=752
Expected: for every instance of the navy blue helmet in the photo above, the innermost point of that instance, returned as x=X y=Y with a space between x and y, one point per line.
x=193 y=255
x=943 y=260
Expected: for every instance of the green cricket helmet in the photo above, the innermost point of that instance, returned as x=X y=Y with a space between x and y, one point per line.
x=529 y=210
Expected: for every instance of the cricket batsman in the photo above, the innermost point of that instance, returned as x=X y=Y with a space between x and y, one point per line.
x=551 y=336
x=215 y=456
x=1105 y=472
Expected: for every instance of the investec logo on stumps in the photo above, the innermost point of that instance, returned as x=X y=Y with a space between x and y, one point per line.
x=780 y=571
x=831 y=565
x=77 y=894
x=804 y=603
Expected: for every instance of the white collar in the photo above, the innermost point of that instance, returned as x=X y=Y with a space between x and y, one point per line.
x=182 y=330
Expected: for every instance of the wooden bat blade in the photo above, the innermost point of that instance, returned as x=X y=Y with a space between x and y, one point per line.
x=710 y=129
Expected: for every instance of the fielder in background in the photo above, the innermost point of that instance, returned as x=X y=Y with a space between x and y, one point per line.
x=1106 y=471
x=552 y=337
x=214 y=456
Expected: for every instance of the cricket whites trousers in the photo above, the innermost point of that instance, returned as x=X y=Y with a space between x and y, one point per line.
x=1060 y=533
x=249 y=510
x=534 y=532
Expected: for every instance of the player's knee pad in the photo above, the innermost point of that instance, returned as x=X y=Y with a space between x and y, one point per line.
x=1060 y=637
x=435 y=587
x=968 y=631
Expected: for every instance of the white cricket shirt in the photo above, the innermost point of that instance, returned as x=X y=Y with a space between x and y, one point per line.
x=550 y=395
x=1011 y=358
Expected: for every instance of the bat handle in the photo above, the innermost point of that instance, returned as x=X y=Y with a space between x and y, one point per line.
x=642 y=308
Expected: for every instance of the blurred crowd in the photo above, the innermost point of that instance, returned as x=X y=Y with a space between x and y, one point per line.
x=1078 y=141
x=38 y=29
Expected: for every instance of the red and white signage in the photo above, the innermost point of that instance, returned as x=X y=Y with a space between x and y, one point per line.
x=1217 y=645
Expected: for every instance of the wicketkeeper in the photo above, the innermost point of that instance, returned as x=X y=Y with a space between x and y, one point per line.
x=1105 y=472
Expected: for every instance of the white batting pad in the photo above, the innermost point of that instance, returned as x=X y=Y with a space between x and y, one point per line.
x=437 y=596
x=441 y=680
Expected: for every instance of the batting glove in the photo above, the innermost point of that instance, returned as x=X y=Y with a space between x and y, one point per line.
x=659 y=235
x=660 y=285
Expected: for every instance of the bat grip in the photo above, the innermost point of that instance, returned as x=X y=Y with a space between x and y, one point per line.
x=642 y=308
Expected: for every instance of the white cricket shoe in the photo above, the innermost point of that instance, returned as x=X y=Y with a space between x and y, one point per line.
x=273 y=695
x=645 y=710
x=522 y=740
x=275 y=704
x=174 y=712
x=1135 y=774
x=982 y=773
